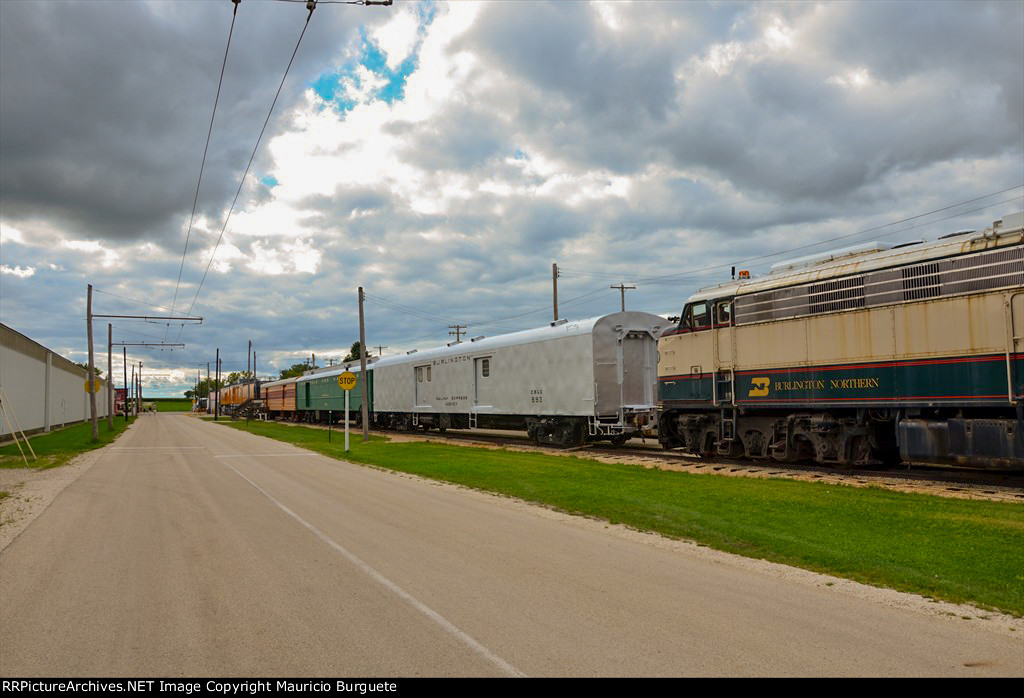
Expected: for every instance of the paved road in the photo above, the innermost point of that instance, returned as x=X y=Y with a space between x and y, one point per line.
x=193 y=549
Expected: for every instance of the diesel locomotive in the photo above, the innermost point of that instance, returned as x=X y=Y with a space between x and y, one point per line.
x=860 y=356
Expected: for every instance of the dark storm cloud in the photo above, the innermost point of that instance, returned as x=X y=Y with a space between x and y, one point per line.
x=105 y=106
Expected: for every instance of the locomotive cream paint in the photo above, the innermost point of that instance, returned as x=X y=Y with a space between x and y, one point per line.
x=858 y=356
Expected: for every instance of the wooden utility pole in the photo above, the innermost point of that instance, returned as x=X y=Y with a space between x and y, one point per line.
x=554 y=288
x=124 y=405
x=92 y=368
x=138 y=393
x=362 y=370
x=216 y=410
x=380 y=349
x=459 y=330
x=207 y=387
x=622 y=290
x=110 y=377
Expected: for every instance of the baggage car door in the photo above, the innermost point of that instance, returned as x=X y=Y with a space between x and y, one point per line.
x=483 y=383
x=637 y=369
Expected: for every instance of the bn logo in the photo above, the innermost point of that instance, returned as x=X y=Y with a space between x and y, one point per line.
x=759 y=387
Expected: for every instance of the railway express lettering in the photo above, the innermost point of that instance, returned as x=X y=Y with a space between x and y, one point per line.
x=853 y=383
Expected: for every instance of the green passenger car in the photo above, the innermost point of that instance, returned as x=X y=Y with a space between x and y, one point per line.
x=318 y=395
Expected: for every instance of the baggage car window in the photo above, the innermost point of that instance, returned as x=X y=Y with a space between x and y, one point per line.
x=428 y=374
x=485 y=368
x=419 y=374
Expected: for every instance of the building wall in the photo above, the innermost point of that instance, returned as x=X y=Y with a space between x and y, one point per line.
x=39 y=402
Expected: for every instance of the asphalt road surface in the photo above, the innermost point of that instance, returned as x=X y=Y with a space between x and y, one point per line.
x=190 y=549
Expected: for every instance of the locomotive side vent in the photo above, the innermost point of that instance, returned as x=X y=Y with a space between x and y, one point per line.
x=921 y=281
x=982 y=271
x=838 y=294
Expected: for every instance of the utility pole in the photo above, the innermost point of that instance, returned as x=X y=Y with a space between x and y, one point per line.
x=89 y=380
x=139 y=393
x=459 y=331
x=207 y=387
x=110 y=377
x=622 y=290
x=362 y=369
x=129 y=398
x=247 y=353
x=554 y=288
x=380 y=350
x=216 y=373
x=124 y=351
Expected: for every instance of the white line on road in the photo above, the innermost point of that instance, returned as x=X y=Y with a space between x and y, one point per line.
x=402 y=593
x=157 y=448
x=263 y=455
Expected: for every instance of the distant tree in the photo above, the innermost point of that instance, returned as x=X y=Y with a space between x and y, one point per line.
x=204 y=388
x=94 y=368
x=354 y=353
x=238 y=377
x=295 y=371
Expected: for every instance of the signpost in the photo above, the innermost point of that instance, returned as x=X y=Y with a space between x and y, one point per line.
x=346 y=381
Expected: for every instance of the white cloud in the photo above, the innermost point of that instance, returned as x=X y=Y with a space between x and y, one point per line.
x=398 y=36
x=19 y=271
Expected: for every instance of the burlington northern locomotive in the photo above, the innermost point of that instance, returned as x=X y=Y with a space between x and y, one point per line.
x=859 y=356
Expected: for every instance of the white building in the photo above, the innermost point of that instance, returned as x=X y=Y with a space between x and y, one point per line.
x=42 y=389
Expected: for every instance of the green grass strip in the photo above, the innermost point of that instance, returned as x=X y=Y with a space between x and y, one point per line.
x=953 y=549
x=58 y=447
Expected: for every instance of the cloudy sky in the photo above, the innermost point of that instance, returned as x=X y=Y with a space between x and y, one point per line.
x=443 y=156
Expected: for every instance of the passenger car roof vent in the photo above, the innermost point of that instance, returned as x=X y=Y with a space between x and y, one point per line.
x=559 y=322
x=412 y=351
x=476 y=338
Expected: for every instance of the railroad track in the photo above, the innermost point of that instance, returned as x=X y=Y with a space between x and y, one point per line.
x=936 y=480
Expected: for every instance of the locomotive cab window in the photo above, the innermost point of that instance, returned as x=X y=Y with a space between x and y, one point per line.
x=696 y=316
x=723 y=313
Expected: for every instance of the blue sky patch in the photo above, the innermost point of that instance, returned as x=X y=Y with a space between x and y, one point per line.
x=269 y=180
x=331 y=87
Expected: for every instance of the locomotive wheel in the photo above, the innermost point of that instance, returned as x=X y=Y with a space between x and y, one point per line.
x=617 y=441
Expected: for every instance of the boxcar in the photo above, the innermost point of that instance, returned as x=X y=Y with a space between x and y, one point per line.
x=857 y=357
x=563 y=383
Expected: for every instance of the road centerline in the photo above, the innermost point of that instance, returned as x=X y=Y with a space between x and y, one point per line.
x=430 y=613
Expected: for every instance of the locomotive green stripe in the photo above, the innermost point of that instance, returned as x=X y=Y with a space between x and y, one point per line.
x=975 y=380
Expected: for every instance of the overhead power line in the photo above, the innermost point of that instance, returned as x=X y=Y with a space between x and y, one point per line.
x=674 y=276
x=311 y=6
x=206 y=148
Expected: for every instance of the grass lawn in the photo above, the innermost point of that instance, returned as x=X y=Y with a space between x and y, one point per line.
x=952 y=549
x=60 y=446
